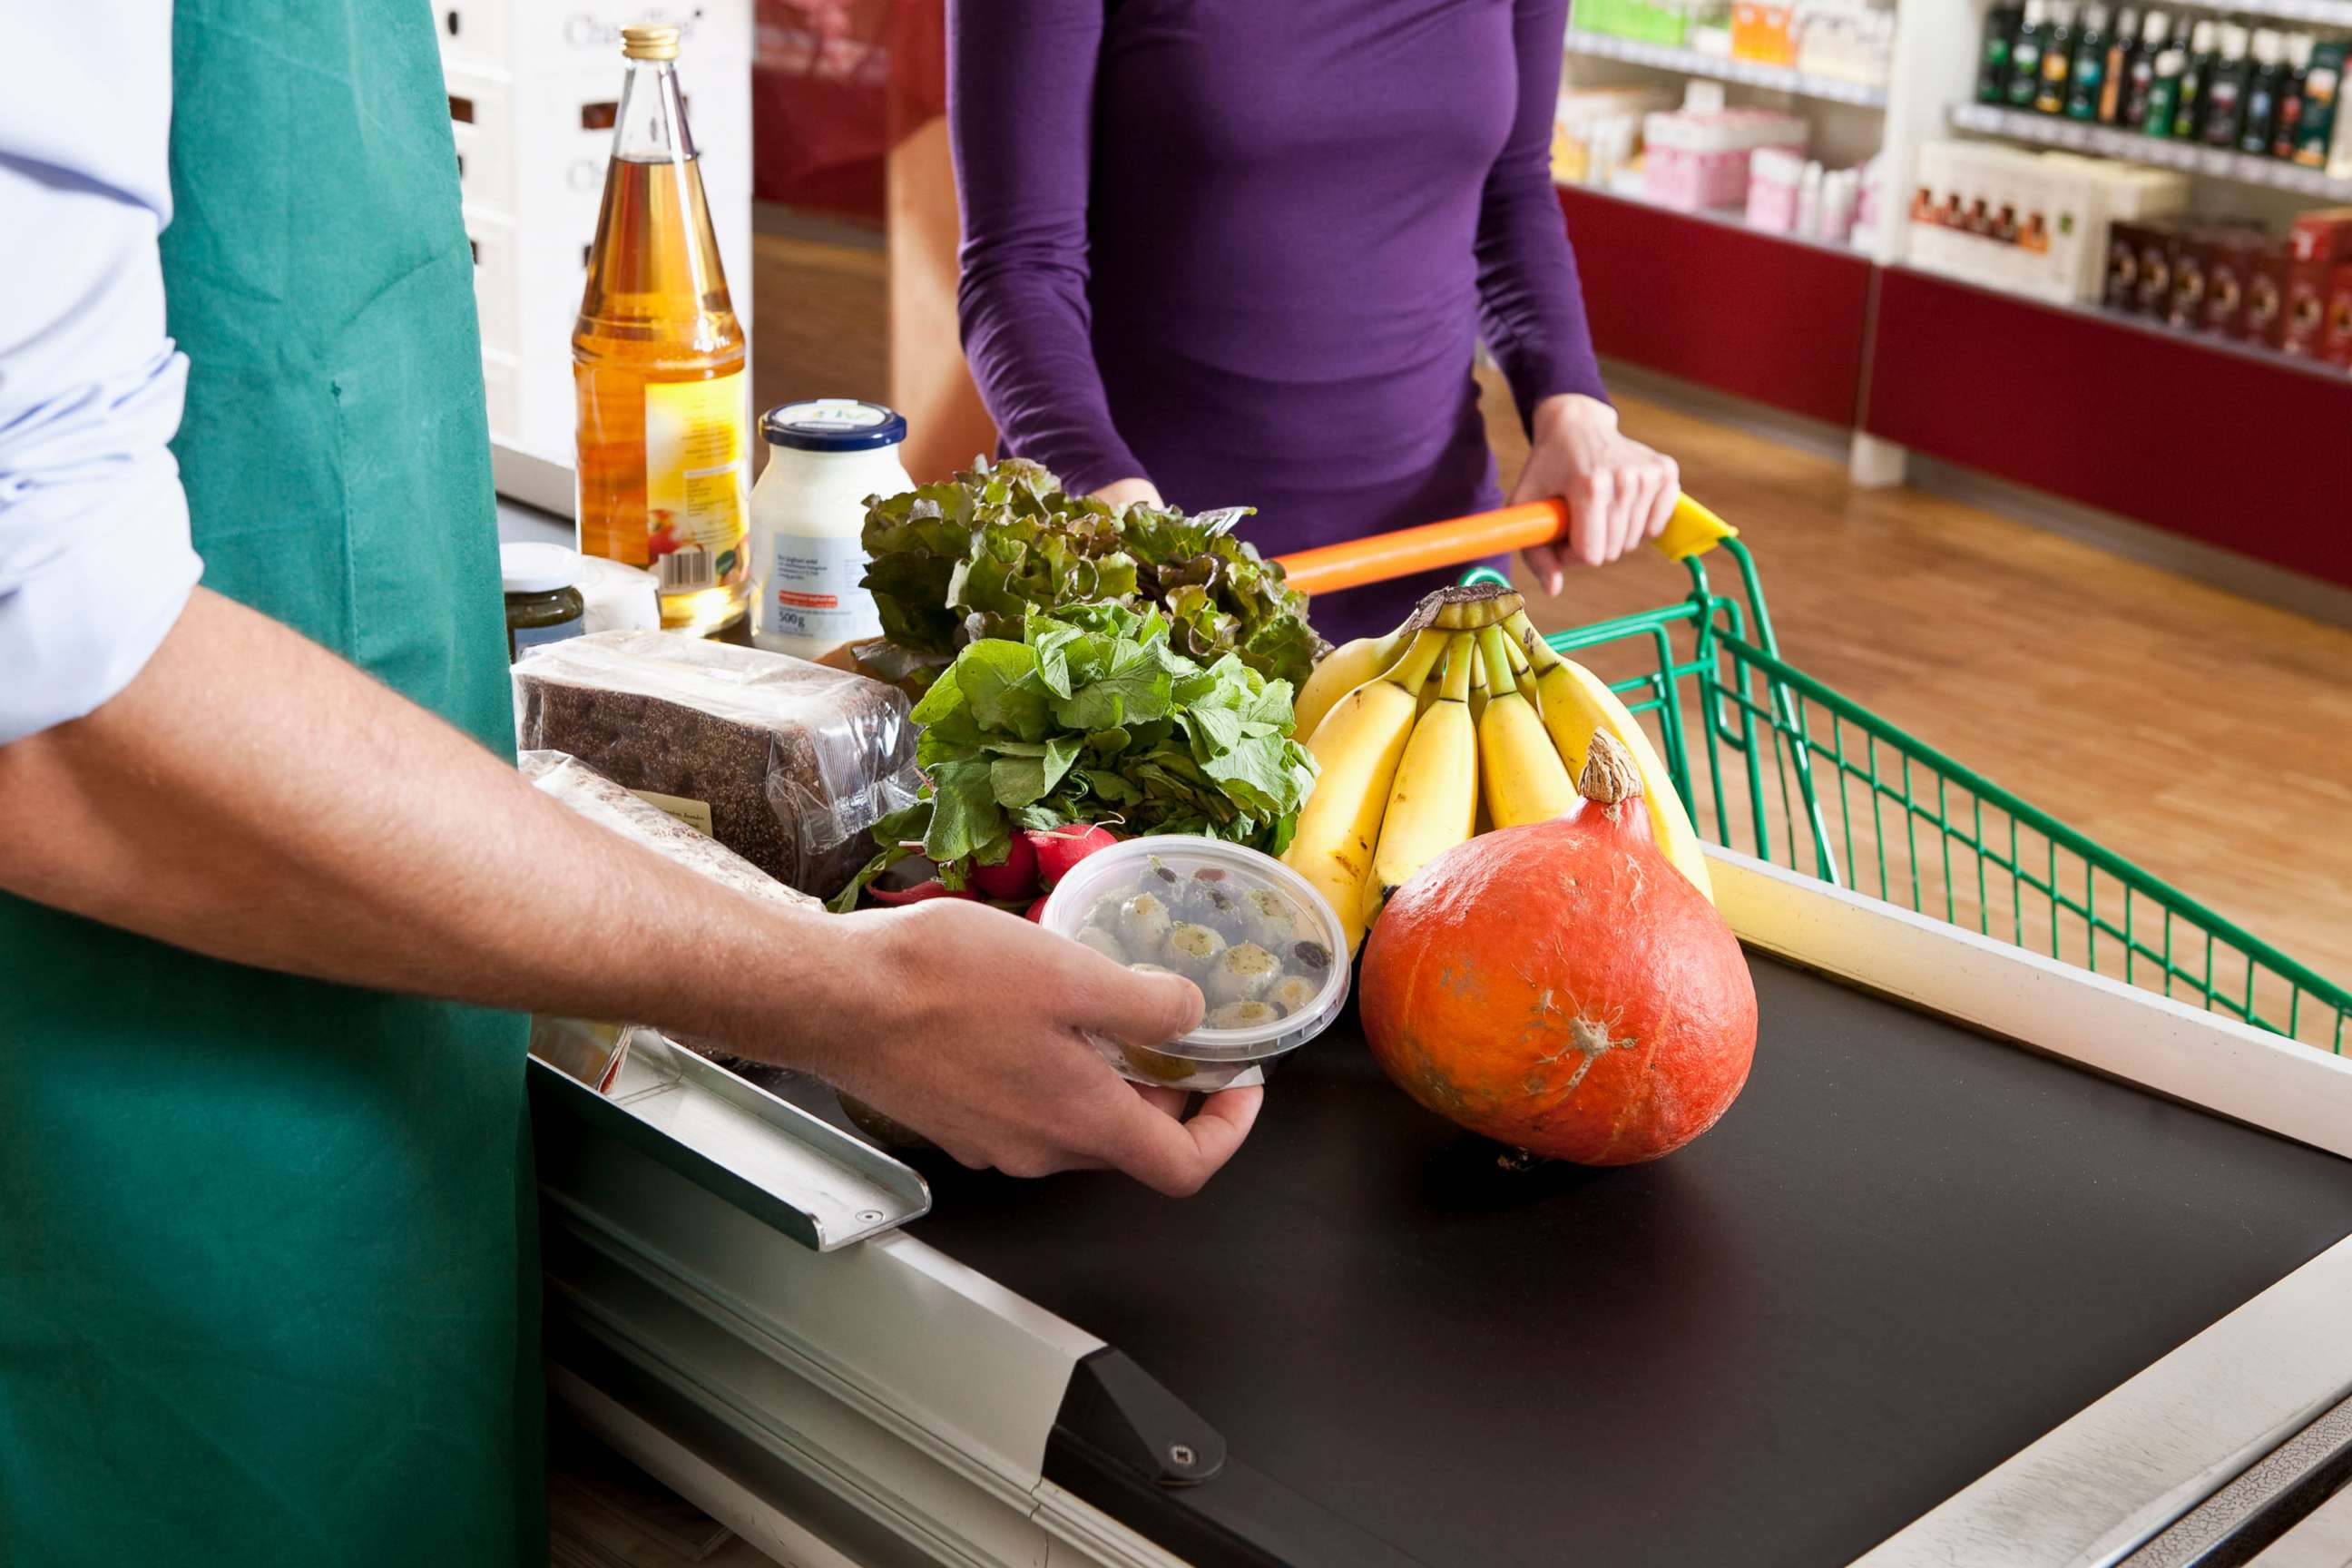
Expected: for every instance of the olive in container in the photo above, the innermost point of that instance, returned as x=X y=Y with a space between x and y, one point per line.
x=1266 y=950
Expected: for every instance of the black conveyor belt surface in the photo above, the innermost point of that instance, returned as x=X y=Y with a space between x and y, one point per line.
x=1908 y=1252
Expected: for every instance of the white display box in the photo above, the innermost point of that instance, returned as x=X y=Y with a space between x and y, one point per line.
x=533 y=89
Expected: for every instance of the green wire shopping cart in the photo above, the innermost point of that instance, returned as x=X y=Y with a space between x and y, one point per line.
x=1791 y=770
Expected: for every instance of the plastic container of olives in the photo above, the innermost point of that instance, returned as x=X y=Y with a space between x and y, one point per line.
x=1264 y=947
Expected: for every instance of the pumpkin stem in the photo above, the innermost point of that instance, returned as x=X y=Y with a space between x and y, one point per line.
x=1609 y=776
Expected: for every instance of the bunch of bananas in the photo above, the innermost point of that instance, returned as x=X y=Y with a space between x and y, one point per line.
x=1462 y=717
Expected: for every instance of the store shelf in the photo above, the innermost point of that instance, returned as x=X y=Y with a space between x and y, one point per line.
x=1726 y=218
x=1749 y=73
x=2055 y=130
x=1713 y=301
x=2217 y=442
x=2323 y=13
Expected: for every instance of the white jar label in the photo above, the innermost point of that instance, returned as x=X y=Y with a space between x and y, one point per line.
x=812 y=590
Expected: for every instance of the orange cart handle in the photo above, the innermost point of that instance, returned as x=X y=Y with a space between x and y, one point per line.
x=1691 y=530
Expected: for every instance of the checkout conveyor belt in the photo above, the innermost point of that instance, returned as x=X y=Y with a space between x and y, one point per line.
x=1904 y=1255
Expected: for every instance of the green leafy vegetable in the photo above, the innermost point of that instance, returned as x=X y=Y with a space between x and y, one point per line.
x=981 y=556
x=1095 y=717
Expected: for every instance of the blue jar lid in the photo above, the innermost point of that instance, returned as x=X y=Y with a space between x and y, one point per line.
x=833 y=425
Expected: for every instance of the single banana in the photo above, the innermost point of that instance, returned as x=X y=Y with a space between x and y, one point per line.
x=1433 y=804
x=1575 y=703
x=1343 y=669
x=1519 y=768
x=1521 y=670
x=1479 y=690
x=1357 y=749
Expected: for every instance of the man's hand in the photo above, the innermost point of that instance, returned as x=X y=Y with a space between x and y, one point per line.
x=1618 y=492
x=976 y=1041
x=1125 y=492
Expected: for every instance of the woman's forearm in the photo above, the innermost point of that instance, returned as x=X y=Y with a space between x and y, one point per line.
x=1531 y=303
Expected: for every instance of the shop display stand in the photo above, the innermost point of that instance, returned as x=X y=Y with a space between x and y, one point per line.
x=1748 y=73
x=1773 y=318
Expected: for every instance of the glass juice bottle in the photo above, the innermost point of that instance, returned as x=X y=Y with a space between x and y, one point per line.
x=658 y=357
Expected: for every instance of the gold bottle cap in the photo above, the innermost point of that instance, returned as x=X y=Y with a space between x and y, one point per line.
x=649 y=43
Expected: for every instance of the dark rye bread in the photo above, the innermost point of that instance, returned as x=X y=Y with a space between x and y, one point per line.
x=796 y=761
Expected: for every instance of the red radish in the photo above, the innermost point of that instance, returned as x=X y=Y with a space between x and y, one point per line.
x=934 y=888
x=1015 y=876
x=1561 y=987
x=1037 y=911
x=1059 y=848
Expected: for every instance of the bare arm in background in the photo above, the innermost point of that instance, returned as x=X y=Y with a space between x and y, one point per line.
x=252 y=797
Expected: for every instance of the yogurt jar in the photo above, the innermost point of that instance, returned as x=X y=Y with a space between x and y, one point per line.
x=808 y=511
x=1265 y=949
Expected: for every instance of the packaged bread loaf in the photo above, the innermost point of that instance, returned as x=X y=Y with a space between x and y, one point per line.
x=793 y=761
x=603 y=802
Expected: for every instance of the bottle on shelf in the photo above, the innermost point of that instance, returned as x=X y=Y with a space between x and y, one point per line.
x=2057 y=60
x=1999 y=41
x=2263 y=86
x=2289 y=118
x=2155 y=38
x=2087 y=77
x=664 y=459
x=2025 y=54
x=2115 y=75
x=2225 y=95
x=2196 y=74
x=2315 y=130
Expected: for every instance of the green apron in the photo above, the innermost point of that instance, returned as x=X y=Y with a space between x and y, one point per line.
x=267 y=1272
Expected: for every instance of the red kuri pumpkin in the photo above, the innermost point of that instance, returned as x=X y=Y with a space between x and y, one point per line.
x=1561 y=987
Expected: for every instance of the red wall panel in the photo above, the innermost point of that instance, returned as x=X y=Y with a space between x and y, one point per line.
x=1774 y=319
x=2227 y=448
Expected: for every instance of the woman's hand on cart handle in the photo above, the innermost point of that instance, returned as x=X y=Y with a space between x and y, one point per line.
x=977 y=1039
x=1618 y=491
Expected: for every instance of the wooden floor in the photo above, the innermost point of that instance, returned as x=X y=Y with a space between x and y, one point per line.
x=2204 y=737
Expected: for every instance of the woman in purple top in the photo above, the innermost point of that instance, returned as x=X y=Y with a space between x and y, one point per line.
x=1239 y=252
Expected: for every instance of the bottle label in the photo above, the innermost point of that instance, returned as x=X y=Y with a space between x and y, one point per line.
x=811 y=589
x=698 y=482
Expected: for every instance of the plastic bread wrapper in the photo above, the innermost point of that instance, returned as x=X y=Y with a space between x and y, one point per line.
x=831 y=752
x=594 y=1052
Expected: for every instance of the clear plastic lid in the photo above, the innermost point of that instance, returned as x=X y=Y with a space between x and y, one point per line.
x=1266 y=950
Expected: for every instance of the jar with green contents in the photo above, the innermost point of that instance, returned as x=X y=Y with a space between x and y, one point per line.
x=542 y=590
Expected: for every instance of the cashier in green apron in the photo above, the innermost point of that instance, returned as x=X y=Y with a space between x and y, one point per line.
x=273 y=901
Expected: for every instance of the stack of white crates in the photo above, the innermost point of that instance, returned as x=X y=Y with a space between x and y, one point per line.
x=2029 y=223
x=533 y=89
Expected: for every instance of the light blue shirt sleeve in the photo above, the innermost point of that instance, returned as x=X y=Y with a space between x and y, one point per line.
x=96 y=563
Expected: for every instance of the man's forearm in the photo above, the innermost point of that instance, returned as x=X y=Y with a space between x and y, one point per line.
x=251 y=797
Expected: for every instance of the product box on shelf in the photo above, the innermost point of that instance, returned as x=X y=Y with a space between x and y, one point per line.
x=2230 y=278
x=2035 y=224
x=2263 y=323
x=2335 y=342
x=2159 y=243
x=1695 y=159
x=2319 y=242
x=2125 y=243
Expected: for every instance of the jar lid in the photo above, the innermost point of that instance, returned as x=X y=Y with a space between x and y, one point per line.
x=833 y=425
x=1267 y=951
x=535 y=568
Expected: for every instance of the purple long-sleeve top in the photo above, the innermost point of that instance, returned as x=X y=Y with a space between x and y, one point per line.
x=1243 y=248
